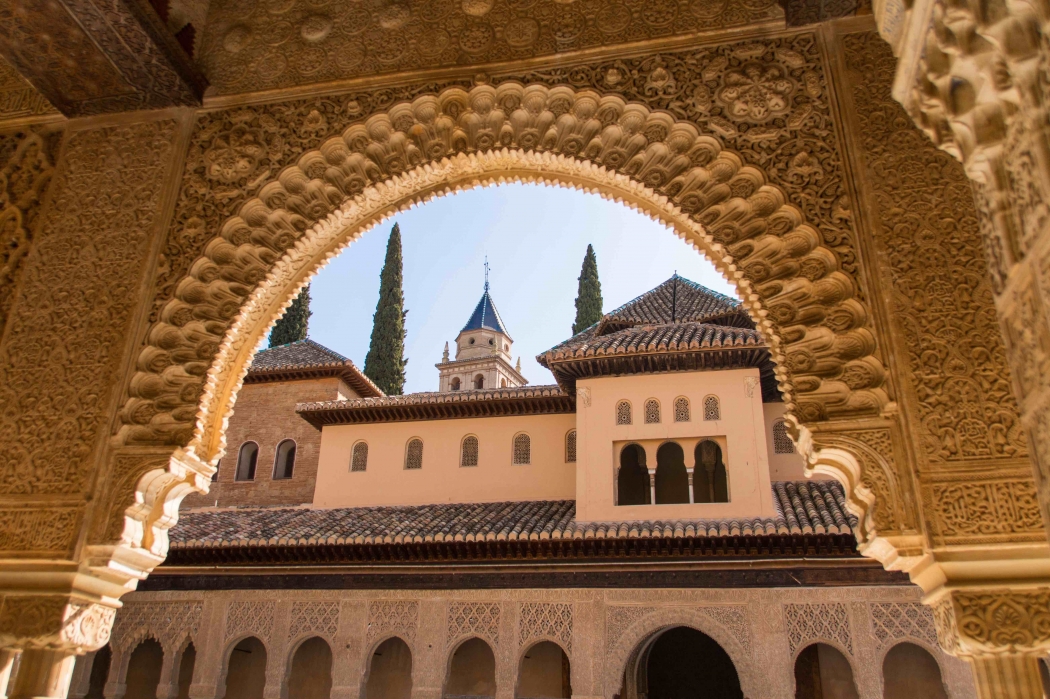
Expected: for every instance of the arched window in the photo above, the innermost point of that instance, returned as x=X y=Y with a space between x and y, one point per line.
x=468 y=452
x=502 y=383
x=359 y=460
x=652 y=411
x=570 y=447
x=632 y=480
x=710 y=483
x=454 y=384
x=712 y=410
x=246 y=460
x=782 y=443
x=522 y=449
x=479 y=381
x=623 y=413
x=284 y=463
x=414 y=454
x=681 y=409
x=671 y=481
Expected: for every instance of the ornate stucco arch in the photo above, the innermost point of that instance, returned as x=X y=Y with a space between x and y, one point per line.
x=197 y=352
x=619 y=652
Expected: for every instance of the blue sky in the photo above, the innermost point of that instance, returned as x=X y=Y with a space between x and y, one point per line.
x=535 y=238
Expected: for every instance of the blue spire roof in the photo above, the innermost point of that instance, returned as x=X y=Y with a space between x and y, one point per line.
x=485 y=316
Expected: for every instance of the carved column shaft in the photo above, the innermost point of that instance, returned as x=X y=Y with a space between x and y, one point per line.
x=44 y=674
x=1007 y=675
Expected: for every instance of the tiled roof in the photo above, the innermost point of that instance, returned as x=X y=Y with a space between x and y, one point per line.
x=654 y=338
x=486 y=316
x=492 y=402
x=677 y=300
x=803 y=508
x=304 y=359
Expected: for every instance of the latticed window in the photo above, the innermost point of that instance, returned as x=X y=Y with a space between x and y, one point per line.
x=652 y=411
x=712 y=411
x=782 y=443
x=359 y=460
x=570 y=447
x=681 y=409
x=468 y=453
x=522 y=449
x=623 y=413
x=414 y=454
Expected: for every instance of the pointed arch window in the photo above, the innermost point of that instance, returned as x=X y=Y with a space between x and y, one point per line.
x=247 y=459
x=414 y=454
x=681 y=409
x=522 y=449
x=468 y=451
x=782 y=443
x=623 y=413
x=570 y=447
x=652 y=411
x=284 y=461
x=359 y=459
x=712 y=408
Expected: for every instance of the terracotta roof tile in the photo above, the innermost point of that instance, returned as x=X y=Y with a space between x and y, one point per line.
x=805 y=507
x=307 y=358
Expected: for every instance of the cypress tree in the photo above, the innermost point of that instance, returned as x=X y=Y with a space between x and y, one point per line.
x=293 y=324
x=385 y=361
x=589 y=295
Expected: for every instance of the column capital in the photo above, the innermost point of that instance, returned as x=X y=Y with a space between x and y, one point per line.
x=983 y=621
x=54 y=622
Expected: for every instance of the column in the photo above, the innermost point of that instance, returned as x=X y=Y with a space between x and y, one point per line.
x=278 y=662
x=689 y=449
x=428 y=676
x=166 y=689
x=1013 y=675
x=44 y=674
x=207 y=670
x=650 y=464
x=7 y=663
x=115 y=687
x=81 y=682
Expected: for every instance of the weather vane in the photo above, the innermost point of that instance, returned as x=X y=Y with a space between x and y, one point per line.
x=486 y=272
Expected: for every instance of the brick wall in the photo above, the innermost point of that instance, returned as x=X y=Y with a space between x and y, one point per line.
x=265 y=414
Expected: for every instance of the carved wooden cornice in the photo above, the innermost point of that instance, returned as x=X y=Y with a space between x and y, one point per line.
x=500 y=402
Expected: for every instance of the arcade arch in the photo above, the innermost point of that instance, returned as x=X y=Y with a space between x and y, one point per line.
x=471 y=670
x=445 y=142
x=823 y=672
x=544 y=672
x=310 y=672
x=389 y=672
x=246 y=669
x=143 y=673
x=672 y=662
x=908 y=670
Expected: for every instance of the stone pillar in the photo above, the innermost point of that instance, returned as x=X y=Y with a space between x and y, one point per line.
x=167 y=687
x=428 y=675
x=81 y=682
x=44 y=674
x=7 y=663
x=1013 y=675
x=118 y=667
x=207 y=670
x=278 y=662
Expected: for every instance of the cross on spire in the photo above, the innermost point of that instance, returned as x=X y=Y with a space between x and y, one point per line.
x=486 y=273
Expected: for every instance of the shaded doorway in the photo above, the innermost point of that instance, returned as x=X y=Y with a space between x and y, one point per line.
x=910 y=671
x=246 y=670
x=311 y=673
x=710 y=483
x=632 y=482
x=390 y=671
x=682 y=663
x=672 y=481
x=472 y=671
x=822 y=672
x=544 y=673
x=143 y=674
x=187 y=661
x=99 y=673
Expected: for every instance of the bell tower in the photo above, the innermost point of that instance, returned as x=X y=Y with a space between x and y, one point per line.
x=483 y=352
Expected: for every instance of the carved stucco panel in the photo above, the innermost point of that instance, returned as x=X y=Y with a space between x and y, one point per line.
x=251 y=46
x=70 y=321
x=27 y=162
x=942 y=297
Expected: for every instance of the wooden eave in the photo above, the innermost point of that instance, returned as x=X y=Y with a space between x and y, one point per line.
x=322 y=414
x=567 y=370
x=547 y=551
x=349 y=375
